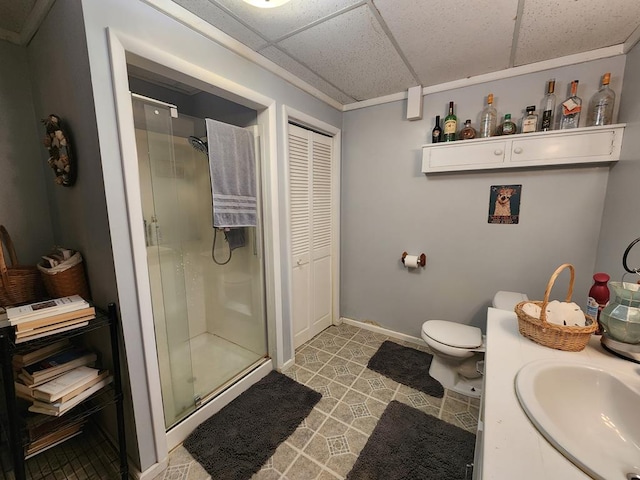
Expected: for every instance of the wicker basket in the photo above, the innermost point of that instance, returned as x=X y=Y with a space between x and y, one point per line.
x=560 y=337
x=71 y=281
x=18 y=283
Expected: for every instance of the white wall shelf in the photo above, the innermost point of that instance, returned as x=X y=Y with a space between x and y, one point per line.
x=557 y=147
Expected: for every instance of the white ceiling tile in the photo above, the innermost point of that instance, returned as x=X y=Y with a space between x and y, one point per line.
x=217 y=17
x=352 y=52
x=554 y=28
x=285 y=61
x=14 y=14
x=446 y=41
x=274 y=23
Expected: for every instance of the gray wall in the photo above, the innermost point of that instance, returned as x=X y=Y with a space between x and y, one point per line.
x=621 y=220
x=388 y=207
x=146 y=24
x=24 y=209
x=59 y=72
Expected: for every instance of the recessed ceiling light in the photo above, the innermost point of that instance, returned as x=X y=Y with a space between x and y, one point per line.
x=266 y=3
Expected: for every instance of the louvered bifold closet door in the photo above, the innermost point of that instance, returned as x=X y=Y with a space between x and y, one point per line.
x=310 y=205
x=321 y=154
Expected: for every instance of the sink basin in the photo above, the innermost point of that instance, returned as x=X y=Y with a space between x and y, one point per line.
x=590 y=415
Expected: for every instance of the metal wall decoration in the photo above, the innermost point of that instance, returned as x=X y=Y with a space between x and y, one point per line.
x=60 y=159
x=504 y=204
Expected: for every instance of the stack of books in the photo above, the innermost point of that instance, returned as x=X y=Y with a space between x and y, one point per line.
x=40 y=319
x=46 y=432
x=58 y=377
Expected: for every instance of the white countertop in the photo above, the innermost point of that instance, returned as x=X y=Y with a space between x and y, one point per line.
x=512 y=446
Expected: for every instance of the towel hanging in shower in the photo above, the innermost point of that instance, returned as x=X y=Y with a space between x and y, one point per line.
x=233 y=175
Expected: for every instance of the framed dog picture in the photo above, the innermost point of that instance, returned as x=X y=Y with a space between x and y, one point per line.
x=504 y=204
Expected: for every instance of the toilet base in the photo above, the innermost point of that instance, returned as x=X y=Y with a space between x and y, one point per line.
x=447 y=373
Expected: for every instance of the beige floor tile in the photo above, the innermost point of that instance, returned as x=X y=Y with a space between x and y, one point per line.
x=356 y=352
x=299 y=374
x=331 y=391
x=375 y=385
x=303 y=469
x=312 y=359
x=278 y=463
x=341 y=370
x=327 y=443
x=359 y=411
x=307 y=429
x=328 y=342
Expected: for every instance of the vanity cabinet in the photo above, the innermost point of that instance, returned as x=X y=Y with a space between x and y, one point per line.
x=508 y=444
x=13 y=429
x=557 y=147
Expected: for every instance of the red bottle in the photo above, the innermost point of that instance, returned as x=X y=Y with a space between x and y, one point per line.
x=598 y=298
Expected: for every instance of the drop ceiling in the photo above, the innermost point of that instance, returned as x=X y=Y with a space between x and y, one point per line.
x=353 y=50
x=358 y=50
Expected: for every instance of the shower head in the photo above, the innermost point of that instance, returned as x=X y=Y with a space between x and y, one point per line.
x=199 y=145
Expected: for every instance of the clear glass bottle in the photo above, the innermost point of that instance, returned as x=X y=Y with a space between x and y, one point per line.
x=468 y=132
x=488 y=119
x=601 y=104
x=571 y=108
x=436 y=133
x=450 y=125
x=548 y=107
x=530 y=120
x=508 y=127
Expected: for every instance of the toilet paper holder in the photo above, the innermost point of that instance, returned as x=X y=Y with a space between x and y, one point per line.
x=422 y=259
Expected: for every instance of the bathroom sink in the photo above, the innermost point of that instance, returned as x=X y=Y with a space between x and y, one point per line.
x=588 y=414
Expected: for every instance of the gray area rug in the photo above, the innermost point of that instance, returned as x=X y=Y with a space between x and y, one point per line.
x=407 y=366
x=235 y=442
x=408 y=444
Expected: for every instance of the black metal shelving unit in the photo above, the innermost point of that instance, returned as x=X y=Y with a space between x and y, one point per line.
x=15 y=430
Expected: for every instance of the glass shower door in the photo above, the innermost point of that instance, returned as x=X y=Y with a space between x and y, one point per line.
x=160 y=176
x=208 y=302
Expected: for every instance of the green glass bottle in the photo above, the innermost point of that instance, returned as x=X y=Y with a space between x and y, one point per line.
x=450 y=125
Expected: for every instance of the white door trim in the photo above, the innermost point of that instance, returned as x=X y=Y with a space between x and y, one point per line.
x=138 y=315
x=290 y=114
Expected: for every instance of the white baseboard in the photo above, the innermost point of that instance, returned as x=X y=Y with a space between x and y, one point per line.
x=383 y=331
x=152 y=472
x=287 y=364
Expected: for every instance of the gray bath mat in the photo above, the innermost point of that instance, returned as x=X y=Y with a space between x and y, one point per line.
x=235 y=442
x=407 y=366
x=408 y=444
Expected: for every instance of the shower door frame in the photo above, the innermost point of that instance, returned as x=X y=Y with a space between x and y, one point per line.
x=125 y=50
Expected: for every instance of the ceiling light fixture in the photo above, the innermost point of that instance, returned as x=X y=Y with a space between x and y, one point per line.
x=266 y=3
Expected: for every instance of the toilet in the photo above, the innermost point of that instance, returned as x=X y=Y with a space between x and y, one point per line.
x=458 y=350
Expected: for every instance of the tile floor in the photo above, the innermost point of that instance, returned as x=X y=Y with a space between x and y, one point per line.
x=327 y=443
x=87 y=456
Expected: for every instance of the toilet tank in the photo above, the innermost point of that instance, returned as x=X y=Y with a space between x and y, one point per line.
x=508 y=300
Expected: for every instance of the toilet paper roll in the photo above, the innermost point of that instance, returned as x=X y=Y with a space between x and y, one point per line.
x=412 y=261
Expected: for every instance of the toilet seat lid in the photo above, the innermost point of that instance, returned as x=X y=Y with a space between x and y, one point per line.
x=453 y=334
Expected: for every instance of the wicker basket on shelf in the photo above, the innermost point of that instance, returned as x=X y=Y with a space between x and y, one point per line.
x=18 y=283
x=64 y=281
x=561 y=337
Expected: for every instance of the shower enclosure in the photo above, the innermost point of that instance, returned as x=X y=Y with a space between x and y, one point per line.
x=209 y=315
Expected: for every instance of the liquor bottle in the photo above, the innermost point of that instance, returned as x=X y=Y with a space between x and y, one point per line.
x=548 y=106
x=468 y=132
x=530 y=120
x=601 y=104
x=436 y=133
x=571 y=108
x=488 y=119
x=450 y=125
x=508 y=127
